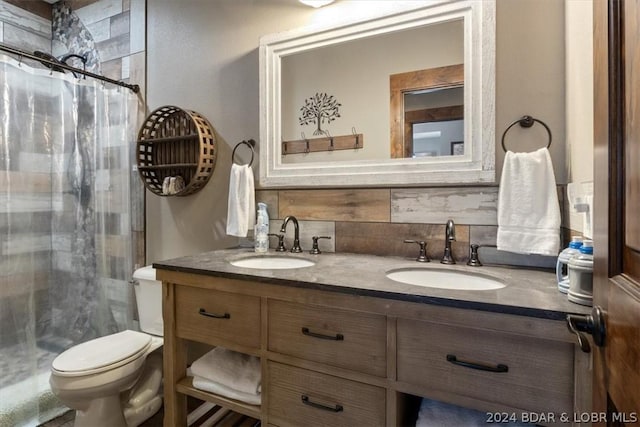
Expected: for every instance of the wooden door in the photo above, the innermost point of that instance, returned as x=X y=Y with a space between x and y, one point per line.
x=617 y=209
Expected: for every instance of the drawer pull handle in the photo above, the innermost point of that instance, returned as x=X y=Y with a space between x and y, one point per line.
x=482 y=367
x=336 y=337
x=204 y=312
x=306 y=401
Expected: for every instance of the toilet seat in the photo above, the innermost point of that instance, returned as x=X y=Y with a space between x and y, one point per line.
x=102 y=354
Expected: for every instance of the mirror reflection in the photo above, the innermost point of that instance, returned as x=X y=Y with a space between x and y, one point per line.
x=427 y=105
x=355 y=75
x=434 y=122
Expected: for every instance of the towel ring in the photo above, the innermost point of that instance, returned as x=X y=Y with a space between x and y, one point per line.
x=250 y=143
x=526 y=122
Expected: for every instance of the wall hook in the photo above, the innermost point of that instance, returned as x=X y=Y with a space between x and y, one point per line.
x=331 y=147
x=306 y=150
x=355 y=133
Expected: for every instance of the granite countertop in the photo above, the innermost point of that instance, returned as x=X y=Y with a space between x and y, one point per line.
x=527 y=292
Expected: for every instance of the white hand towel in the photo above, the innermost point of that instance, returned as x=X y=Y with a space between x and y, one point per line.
x=241 y=208
x=216 y=388
x=528 y=209
x=231 y=369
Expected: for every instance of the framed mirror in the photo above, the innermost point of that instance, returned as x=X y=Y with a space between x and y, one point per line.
x=327 y=111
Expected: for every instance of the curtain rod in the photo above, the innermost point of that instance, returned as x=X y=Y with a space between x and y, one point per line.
x=134 y=88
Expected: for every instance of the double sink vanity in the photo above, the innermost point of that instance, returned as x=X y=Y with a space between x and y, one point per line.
x=350 y=340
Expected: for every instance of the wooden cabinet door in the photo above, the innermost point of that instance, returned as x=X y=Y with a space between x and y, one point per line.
x=617 y=208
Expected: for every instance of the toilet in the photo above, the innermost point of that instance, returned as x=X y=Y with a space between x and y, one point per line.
x=116 y=380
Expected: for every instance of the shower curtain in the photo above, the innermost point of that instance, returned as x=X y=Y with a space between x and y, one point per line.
x=69 y=208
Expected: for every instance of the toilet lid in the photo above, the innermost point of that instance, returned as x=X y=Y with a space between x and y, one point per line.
x=101 y=352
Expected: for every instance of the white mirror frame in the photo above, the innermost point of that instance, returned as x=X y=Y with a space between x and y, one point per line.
x=477 y=165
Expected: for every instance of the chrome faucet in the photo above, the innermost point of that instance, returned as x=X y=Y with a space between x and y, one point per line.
x=296 y=232
x=449 y=236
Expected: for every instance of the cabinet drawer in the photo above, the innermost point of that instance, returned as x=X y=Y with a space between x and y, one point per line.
x=217 y=318
x=538 y=375
x=352 y=340
x=299 y=397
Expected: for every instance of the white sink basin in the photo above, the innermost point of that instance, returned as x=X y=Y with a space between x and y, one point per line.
x=443 y=279
x=272 y=262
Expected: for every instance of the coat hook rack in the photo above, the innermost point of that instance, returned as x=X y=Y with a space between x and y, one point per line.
x=324 y=143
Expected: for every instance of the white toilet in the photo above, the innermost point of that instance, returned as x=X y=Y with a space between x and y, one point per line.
x=115 y=381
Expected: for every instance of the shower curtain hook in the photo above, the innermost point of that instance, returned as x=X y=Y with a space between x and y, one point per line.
x=20 y=62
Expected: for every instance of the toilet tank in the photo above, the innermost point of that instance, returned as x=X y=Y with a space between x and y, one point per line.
x=148 y=292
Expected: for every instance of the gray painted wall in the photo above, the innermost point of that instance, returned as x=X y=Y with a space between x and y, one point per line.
x=203 y=55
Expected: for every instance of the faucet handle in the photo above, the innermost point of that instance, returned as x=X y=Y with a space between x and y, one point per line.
x=315 y=250
x=422 y=257
x=280 y=237
x=474 y=261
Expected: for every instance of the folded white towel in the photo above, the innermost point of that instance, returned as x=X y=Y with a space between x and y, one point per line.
x=216 y=388
x=172 y=185
x=176 y=184
x=231 y=369
x=241 y=207
x=165 y=185
x=528 y=209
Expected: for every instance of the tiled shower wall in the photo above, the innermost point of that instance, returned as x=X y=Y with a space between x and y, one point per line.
x=26 y=25
x=377 y=221
x=26 y=267
x=112 y=34
x=114 y=30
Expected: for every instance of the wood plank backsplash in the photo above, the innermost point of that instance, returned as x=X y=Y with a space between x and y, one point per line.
x=336 y=205
x=388 y=239
x=377 y=221
x=465 y=205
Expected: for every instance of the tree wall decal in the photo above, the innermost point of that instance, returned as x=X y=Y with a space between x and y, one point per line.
x=318 y=109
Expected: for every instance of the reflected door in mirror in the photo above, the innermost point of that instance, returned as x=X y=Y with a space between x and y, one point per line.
x=427 y=111
x=433 y=121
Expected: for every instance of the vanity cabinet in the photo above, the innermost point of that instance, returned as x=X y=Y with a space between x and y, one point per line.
x=340 y=359
x=217 y=317
x=502 y=368
x=341 y=338
x=302 y=397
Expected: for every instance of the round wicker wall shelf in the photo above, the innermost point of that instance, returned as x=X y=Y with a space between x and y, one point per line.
x=173 y=143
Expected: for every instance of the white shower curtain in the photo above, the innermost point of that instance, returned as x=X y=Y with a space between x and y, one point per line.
x=67 y=193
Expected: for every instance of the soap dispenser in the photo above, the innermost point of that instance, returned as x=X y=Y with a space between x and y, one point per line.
x=261 y=231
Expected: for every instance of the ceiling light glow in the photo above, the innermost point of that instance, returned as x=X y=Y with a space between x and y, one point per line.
x=316 y=3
